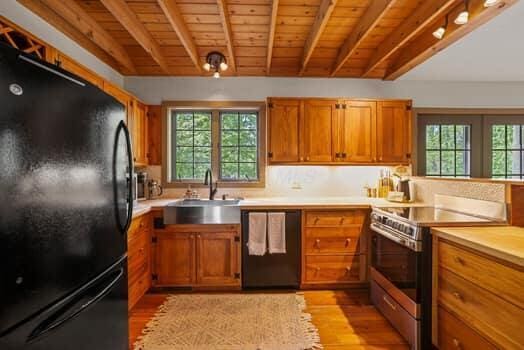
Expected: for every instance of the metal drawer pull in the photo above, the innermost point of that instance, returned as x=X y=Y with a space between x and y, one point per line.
x=317 y=269
x=391 y=305
x=457 y=343
x=348 y=241
x=341 y=221
x=317 y=243
x=458 y=296
x=348 y=269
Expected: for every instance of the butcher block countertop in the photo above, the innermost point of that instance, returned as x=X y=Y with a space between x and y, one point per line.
x=503 y=242
x=286 y=203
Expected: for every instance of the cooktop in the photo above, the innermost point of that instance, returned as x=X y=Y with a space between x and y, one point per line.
x=431 y=216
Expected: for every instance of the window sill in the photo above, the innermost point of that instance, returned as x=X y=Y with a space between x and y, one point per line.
x=221 y=184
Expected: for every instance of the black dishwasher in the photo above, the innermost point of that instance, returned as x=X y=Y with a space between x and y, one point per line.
x=273 y=270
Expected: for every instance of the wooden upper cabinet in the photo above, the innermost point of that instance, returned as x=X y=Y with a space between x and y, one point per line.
x=137 y=122
x=218 y=258
x=393 y=131
x=283 y=131
x=72 y=66
x=318 y=130
x=355 y=130
x=122 y=96
x=174 y=258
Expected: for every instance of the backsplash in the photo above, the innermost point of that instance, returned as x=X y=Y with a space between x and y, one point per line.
x=488 y=191
x=298 y=181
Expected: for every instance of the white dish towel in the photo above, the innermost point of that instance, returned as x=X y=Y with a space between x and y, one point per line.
x=276 y=233
x=257 y=233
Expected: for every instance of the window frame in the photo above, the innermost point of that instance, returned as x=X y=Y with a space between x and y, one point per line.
x=480 y=167
x=215 y=107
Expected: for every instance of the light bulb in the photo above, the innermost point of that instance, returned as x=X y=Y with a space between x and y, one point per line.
x=207 y=66
x=223 y=66
x=439 y=33
x=216 y=75
x=462 y=18
x=489 y=3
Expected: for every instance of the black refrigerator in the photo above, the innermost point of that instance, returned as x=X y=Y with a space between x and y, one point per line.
x=65 y=206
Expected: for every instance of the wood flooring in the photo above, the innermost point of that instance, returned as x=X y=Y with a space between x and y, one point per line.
x=346 y=320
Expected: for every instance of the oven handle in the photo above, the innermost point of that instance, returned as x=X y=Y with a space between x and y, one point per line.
x=408 y=243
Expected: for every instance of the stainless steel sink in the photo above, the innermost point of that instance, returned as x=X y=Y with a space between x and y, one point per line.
x=196 y=211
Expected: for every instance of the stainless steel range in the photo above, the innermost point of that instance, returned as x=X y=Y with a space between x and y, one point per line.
x=401 y=273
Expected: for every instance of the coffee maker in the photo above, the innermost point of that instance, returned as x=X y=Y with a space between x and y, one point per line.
x=142 y=185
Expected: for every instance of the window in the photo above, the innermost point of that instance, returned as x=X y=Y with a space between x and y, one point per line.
x=471 y=146
x=448 y=150
x=225 y=139
x=506 y=151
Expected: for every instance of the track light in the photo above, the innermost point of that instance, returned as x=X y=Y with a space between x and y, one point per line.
x=489 y=3
x=463 y=16
x=439 y=33
x=215 y=61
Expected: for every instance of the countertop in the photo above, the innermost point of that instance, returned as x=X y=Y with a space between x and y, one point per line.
x=144 y=207
x=503 y=242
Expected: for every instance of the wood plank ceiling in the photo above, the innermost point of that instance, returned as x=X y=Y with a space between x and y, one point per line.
x=313 y=38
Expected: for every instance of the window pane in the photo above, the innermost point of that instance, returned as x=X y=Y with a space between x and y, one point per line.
x=462 y=163
x=202 y=138
x=230 y=154
x=248 y=138
x=229 y=138
x=432 y=136
x=248 y=171
x=184 y=121
x=248 y=121
x=202 y=121
x=200 y=170
x=513 y=162
x=248 y=154
x=513 y=136
x=433 y=163
x=229 y=121
x=184 y=171
x=184 y=138
x=447 y=136
x=229 y=171
x=184 y=154
x=498 y=161
x=463 y=132
x=498 y=135
x=448 y=163
x=202 y=155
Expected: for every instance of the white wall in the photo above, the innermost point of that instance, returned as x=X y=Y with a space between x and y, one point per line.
x=154 y=90
x=27 y=20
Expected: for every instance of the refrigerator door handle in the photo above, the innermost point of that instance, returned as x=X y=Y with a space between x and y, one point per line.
x=65 y=313
x=122 y=128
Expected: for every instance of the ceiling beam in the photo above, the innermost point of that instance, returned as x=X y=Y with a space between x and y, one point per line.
x=323 y=15
x=375 y=12
x=427 y=45
x=81 y=20
x=271 y=39
x=121 y=11
x=228 y=32
x=423 y=16
x=176 y=19
x=57 y=21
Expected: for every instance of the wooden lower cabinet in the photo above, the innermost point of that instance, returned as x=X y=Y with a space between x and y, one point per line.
x=139 y=258
x=197 y=256
x=479 y=299
x=334 y=248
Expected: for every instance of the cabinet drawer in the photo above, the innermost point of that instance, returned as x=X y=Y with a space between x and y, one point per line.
x=327 y=245
x=137 y=289
x=500 y=279
x=493 y=317
x=332 y=269
x=335 y=218
x=454 y=334
x=404 y=323
x=139 y=223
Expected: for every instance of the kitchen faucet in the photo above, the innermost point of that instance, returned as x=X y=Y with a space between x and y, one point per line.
x=208 y=180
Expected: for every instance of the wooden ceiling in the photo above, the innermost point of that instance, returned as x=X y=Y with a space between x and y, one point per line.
x=319 y=38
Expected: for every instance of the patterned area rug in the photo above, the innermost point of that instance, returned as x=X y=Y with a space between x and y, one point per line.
x=231 y=322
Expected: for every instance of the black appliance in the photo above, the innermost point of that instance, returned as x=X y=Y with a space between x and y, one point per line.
x=401 y=271
x=66 y=205
x=273 y=270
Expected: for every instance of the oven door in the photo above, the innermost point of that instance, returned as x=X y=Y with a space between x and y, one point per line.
x=397 y=259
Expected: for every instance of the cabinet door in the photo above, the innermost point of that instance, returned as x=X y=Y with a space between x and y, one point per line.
x=218 y=256
x=355 y=132
x=75 y=68
x=318 y=130
x=174 y=258
x=119 y=94
x=393 y=131
x=138 y=128
x=284 y=119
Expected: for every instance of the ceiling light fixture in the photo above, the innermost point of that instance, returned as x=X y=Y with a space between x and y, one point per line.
x=439 y=33
x=215 y=61
x=489 y=3
x=463 y=16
